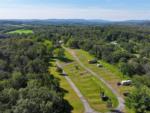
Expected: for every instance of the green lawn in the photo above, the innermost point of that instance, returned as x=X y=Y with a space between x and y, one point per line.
x=109 y=72
x=21 y=31
x=89 y=85
x=70 y=96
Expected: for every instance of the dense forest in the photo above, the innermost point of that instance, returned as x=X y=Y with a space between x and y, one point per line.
x=25 y=82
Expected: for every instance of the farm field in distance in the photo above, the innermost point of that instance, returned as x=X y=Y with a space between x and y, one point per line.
x=21 y=31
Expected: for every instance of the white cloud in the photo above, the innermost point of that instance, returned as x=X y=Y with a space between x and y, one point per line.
x=29 y=12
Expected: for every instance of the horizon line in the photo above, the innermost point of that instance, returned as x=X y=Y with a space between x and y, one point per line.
x=109 y=20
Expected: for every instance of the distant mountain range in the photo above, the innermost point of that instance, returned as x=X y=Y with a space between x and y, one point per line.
x=135 y=22
x=74 y=22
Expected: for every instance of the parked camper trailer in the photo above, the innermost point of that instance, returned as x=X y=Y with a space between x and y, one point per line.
x=126 y=82
x=61 y=41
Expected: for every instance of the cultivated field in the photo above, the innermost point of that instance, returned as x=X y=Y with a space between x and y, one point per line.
x=21 y=31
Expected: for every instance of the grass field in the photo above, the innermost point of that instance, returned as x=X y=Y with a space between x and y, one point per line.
x=21 y=31
x=70 y=96
x=89 y=85
x=109 y=72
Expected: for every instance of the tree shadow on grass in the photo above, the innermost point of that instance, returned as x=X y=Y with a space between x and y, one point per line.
x=51 y=59
x=64 y=59
x=115 y=111
x=67 y=107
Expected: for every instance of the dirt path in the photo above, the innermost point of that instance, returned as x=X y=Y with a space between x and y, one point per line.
x=121 y=105
x=85 y=103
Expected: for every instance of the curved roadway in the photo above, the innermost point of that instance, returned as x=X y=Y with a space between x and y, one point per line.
x=85 y=103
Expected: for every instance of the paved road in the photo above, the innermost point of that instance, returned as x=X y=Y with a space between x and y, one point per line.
x=121 y=105
x=87 y=107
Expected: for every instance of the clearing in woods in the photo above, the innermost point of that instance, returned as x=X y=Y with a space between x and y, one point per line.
x=88 y=84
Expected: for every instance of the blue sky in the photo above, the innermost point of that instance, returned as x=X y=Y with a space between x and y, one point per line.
x=79 y=9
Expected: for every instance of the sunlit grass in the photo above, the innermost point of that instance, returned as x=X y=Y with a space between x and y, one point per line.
x=70 y=96
x=89 y=85
x=21 y=31
x=109 y=72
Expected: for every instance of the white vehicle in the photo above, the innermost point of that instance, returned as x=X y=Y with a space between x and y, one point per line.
x=126 y=82
x=61 y=42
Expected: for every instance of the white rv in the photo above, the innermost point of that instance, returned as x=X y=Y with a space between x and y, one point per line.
x=126 y=82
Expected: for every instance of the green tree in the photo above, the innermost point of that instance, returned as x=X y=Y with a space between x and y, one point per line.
x=18 y=80
x=58 y=52
x=139 y=100
x=126 y=69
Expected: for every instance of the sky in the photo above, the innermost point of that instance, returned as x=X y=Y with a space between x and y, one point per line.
x=75 y=9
